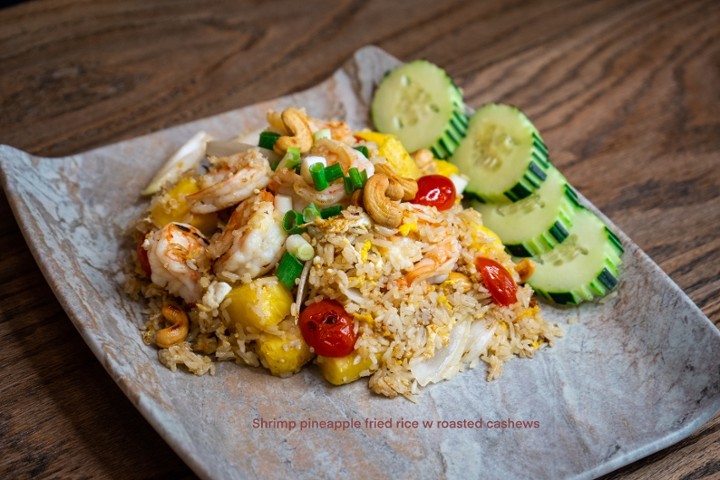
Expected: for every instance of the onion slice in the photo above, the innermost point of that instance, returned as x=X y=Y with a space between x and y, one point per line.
x=300 y=297
x=467 y=342
x=187 y=157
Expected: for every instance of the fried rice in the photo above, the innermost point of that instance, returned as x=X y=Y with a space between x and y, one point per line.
x=409 y=333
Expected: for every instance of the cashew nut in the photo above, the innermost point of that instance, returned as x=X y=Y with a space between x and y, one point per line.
x=356 y=198
x=274 y=119
x=175 y=333
x=408 y=186
x=380 y=205
x=424 y=160
x=525 y=268
x=296 y=123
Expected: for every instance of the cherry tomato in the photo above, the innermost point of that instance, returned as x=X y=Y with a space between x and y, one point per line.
x=143 y=258
x=497 y=280
x=435 y=191
x=328 y=328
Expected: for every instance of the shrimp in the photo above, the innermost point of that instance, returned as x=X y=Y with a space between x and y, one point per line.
x=252 y=242
x=177 y=257
x=439 y=260
x=234 y=179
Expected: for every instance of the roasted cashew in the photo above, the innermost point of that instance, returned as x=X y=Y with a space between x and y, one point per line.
x=408 y=185
x=357 y=198
x=525 y=268
x=424 y=160
x=296 y=123
x=175 y=333
x=379 y=205
x=274 y=119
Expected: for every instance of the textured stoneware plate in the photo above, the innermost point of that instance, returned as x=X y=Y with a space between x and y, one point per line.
x=631 y=376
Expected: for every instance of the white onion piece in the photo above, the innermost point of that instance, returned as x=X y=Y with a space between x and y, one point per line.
x=187 y=157
x=446 y=361
x=479 y=337
x=460 y=182
x=283 y=203
x=300 y=297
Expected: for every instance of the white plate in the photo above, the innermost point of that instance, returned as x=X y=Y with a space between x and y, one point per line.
x=632 y=376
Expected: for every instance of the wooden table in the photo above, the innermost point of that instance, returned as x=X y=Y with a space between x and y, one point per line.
x=626 y=95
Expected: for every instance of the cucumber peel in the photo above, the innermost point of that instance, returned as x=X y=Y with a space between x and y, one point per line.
x=583 y=267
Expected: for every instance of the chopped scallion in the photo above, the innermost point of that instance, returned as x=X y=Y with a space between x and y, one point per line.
x=363 y=149
x=320 y=134
x=288 y=270
x=290 y=160
x=333 y=172
x=268 y=139
x=292 y=221
x=317 y=172
x=299 y=248
x=331 y=211
x=348 y=186
x=310 y=213
x=355 y=178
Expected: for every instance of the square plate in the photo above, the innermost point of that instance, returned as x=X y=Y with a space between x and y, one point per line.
x=632 y=375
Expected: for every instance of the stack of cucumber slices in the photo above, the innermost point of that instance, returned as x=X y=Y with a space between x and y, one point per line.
x=521 y=195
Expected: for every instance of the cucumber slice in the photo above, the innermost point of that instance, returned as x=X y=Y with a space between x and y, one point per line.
x=586 y=265
x=503 y=155
x=419 y=103
x=536 y=223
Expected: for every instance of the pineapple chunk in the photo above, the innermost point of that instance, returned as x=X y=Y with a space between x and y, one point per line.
x=343 y=370
x=283 y=354
x=262 y=304
x=394 y=152
x=445 y=168
x=173 y=207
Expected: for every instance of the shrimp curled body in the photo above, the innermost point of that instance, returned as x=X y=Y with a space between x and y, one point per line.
x=233 y=180
x=252 y=242
x=177 y=257
x=439 y=260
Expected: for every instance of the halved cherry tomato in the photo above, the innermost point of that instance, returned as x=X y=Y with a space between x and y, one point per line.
x=436 y=191
x=328 y=328
x=497 y=280
x=143 y=258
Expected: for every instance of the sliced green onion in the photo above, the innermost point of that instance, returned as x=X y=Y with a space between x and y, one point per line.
x=364 y=150
x=363 y=174
x=317 y=172
x=348 y=186
x=288 y=270
x=292 y=221
x=299 y=248
x=310 y=213
x=333 y=172
x=290 y=160
x=331 y=211
x=320 y=134
x=268 y=139
x=355 y=178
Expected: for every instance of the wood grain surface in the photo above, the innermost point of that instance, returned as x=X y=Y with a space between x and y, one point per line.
x=626 y=95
